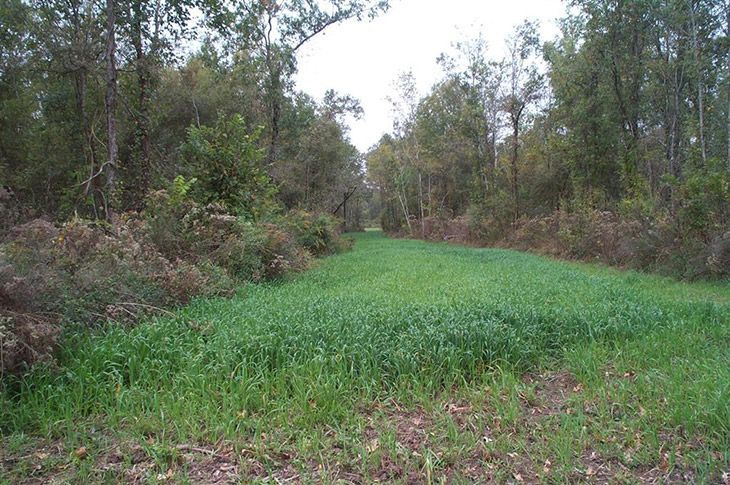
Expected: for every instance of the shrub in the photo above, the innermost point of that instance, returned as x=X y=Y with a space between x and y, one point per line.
x=11 y=212
x=489 y=221
x=705 y=209
x=228 y=166
x=86 y=272
x=637 y=239
x=318 y=233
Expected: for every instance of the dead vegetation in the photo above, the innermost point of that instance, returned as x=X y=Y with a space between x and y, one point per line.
x=87 y=273
x=607 y=237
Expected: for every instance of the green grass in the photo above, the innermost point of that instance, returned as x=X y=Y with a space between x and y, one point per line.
x=557 y=372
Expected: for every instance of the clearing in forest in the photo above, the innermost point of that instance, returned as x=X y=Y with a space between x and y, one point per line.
x=400 y=361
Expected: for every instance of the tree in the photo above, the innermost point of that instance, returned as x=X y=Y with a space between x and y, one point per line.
x=524 y=85
x=481 y=82
x=316 y=156
x=274 y=31
x=404 y=105
x=152 y=29
x=71 y=44
x=387 y=176
x=110 y=104
x=15 y=87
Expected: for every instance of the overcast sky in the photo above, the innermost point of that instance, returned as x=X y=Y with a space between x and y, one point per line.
x=364 y=59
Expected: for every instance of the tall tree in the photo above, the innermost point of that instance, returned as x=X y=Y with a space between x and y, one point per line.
x=482 y=82
x=110 y=104
x=274 y=32
x=524 y=84
x=71 y=45
x=404 y=105
x=153 y=30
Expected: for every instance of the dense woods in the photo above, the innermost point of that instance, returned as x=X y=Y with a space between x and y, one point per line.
x=100 y=105
x=610 y=142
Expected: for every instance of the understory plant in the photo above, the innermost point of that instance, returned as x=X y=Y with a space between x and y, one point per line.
x=87 y=273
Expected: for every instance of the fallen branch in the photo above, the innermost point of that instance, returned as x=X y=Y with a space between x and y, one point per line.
x=203 y=451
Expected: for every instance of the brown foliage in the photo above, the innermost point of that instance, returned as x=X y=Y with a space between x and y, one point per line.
x=89 y=272
x=654 y=244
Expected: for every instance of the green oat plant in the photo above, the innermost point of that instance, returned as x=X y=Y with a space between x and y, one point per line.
x=398 y=361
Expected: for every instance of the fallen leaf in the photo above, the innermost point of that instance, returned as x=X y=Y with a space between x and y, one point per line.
x=164 y=477
x=372 y=446
x=664 y=465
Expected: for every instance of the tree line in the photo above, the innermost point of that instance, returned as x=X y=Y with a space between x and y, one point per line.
x=627 y=111
x=101 y=104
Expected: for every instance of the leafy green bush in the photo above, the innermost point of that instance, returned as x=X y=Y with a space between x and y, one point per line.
x=693 y=244
x=228 y=167
x=318 y=233
x=246 y=250
x=706 y=201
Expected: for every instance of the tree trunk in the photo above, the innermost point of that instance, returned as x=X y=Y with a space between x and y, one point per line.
x=430 y=197
x=420 y=204
x=727 y=86
x=87 y=138
x=515 y=148
x=140 y=176
x=110 y=104
x=700 y=83
x=275 y=97
x=494 y=145
x=676 y=168
x=404 y=207
x=275 y=132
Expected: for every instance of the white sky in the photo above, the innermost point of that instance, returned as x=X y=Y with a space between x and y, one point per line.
x=364 y=59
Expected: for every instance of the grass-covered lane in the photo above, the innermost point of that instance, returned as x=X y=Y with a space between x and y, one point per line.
x=336 y=355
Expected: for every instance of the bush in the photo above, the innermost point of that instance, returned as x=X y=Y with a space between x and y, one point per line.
x=228 y=166
x=318 y=233
x=489 y=220
x=86 y=272
x=652 y=241
x=246 y=250
x=11 y=212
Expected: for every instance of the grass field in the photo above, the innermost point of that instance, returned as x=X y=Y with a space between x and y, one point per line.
x=399 y=361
